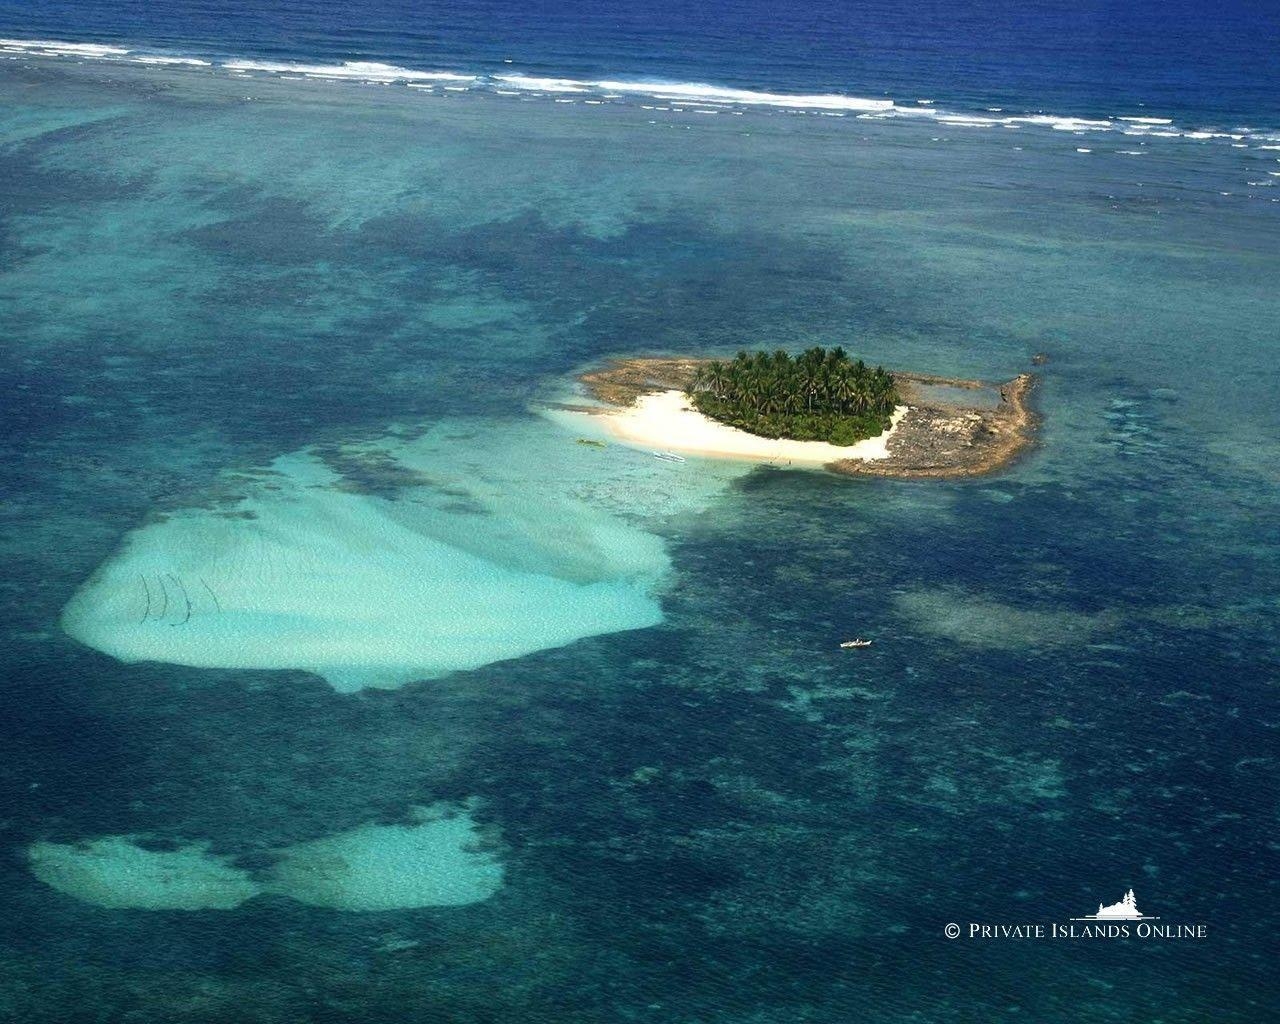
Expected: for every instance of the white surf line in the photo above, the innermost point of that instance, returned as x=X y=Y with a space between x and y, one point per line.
x=690 y=94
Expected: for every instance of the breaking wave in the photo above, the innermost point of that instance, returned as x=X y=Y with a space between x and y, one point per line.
x=654 y=95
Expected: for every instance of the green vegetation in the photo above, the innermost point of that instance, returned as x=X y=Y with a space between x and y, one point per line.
x=820 y=395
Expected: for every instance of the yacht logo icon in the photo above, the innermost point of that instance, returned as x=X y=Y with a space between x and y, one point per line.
x=1121 y=920
x=1125 y=910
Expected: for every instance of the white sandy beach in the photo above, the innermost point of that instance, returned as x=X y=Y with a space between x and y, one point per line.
x=665 y=421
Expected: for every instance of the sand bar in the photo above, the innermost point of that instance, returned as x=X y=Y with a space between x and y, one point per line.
x=665 y=421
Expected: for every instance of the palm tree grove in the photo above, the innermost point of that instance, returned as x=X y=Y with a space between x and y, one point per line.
x=819 y=395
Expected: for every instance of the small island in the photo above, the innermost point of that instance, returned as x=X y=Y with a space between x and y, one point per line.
x=820 y=409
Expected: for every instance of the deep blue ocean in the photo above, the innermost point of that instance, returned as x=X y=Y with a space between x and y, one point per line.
x=340 y=683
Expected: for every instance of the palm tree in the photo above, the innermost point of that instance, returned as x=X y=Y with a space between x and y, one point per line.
x=775 y=391
x=843 y=388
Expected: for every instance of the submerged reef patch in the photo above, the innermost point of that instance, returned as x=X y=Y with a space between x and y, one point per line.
x=978 y=621
x=433 y=863
x=439 y=860
x=117 y=873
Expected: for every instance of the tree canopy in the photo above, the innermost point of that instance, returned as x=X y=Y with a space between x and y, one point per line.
x=819 y=395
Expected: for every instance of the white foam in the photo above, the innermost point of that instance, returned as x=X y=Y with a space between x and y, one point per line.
x=971 y=121
x=365 y=71
x=542 y=84
x=57 y=48
x=1063 y=124
x=1146 y=120
x=696 y=91
x=176 y=61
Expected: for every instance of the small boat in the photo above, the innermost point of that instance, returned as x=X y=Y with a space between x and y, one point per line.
x=668 y=456
x=591 y=442
x=857 y=643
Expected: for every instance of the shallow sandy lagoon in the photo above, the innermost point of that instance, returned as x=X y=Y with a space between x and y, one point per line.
x=380 y=563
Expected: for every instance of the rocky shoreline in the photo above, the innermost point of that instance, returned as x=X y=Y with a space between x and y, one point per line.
x=954 y=427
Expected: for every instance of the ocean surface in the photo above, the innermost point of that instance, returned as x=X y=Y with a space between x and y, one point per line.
x=342 y=685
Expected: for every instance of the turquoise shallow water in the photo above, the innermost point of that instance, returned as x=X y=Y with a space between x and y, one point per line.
x=718 y=816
